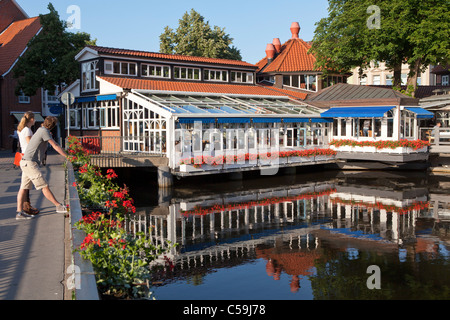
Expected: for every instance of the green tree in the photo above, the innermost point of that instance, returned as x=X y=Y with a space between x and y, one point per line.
x=49 y=61
x=413 y=32
x=195 y=37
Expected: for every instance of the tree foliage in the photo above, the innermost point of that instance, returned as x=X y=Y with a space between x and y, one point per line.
x=49 y=60
x=413 y=32
x=195 y=37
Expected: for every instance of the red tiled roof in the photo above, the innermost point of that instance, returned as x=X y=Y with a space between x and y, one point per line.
x=200 y=87
x=15 y=39
x=176 y=57
x=293 y=57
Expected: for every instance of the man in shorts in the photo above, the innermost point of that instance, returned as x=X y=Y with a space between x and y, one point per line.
x=31 y=175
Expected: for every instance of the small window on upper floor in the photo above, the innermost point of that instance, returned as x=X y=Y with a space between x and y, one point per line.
x=215 y=75
x=186 y=73
x=241 y=77
x=121 y=68
x=88 y=76
x=23 y=98
x=157 y=71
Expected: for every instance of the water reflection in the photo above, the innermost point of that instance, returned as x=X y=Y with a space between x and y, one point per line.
x=308 y=239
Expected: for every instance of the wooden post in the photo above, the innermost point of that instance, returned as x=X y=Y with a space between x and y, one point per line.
x=165 y=177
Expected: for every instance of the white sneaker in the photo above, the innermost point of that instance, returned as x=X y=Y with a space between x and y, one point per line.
x=23 y=216
x=61 y=209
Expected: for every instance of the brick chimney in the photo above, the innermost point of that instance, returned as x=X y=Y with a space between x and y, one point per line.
x=295 y=29
x=270 y=52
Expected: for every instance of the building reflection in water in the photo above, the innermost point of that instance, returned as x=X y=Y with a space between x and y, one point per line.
x=293 y=227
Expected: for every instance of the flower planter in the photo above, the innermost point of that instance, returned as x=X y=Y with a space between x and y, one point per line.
x=364 y=149
x=323 y=158
x=238 y=165
x=343 y=148
x=190 y=168
x=300 y=159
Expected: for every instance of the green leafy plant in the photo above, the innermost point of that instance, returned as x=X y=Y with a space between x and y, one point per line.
x=123 y=263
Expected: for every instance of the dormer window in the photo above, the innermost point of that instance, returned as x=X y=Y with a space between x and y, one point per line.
x=88 y=76
x=121 y=68
x=303 y=81
x=156 y=71
x=215 y=75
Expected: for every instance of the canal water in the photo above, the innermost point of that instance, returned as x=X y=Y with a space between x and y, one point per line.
x=319 y=235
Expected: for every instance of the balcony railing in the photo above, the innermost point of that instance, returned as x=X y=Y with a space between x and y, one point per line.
x=436 y=137
x=116 y=146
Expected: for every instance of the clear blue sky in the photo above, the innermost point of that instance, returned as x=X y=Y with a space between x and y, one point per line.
x=137 y=24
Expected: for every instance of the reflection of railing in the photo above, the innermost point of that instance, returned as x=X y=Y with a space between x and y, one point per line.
x=112 y=146
x=436 y=136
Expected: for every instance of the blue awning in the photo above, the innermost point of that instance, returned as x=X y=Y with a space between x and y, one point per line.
x=295 y=120
x=266 y=120
x=233 y=120
x=107 y=97
x=306 y=120
x=320 y=120
x=85 y=99
x=193 y=120
x=421 y=112
x=356 y=112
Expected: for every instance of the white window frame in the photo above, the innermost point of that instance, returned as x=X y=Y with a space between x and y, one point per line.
x=23 y=98
x=445 y=80
x=177 y=75
x=109 y=114
x=155 y=66
x=238 y=76
x=212 y=73
x=109 y=64
x=307 y=82
x=75 y=111
x=88 y=76
x=89 y=112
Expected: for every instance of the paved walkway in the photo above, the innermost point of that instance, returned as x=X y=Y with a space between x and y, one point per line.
x=32 y=252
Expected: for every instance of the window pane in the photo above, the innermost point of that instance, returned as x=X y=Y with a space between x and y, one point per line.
x=144 y=70
x=158 y=71
x=287 y=80
x=117 y=67
x=312 y=82
x=303 y=81
x=124 y=68
x=166 y=72
x=233 y=76
x=295 y=81
x=133 y=69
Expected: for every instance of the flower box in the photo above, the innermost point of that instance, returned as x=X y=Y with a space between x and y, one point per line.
x=191 y=168
x=364 y=149
x=237 y=165
x=343 y=148
x=300 y=159
x=323 y=158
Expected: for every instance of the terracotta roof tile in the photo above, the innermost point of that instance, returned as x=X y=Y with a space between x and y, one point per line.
x=200 y=87
x=15 y=39
x=173 y=57
x=293 y=57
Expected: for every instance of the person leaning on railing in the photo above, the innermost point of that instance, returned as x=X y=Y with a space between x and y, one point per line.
x=31 y=174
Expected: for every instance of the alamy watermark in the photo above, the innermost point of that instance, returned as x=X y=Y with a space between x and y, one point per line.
x=374 y=281
x=374 y=21
x=74 y=20
x=74 y=280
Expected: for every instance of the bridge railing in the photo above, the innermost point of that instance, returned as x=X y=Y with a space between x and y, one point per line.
x=436 y=136
x=119 y=145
